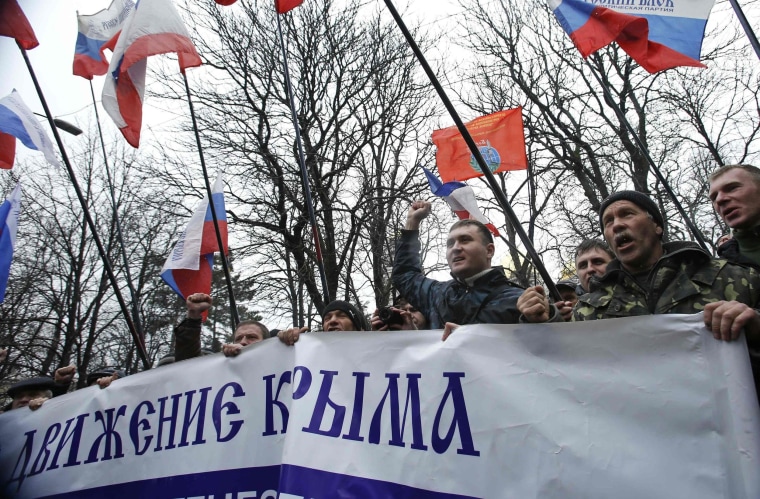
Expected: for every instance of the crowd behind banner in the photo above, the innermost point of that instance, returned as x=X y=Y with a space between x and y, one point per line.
x=364 y=414
x=553 y=410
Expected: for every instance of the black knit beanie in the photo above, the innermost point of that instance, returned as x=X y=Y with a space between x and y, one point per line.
x=637 y=198
x=360 y=323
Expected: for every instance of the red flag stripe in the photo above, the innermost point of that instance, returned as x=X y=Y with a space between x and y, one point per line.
x=13 y=23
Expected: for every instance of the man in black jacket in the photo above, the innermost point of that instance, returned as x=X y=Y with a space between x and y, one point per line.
x=187 y=334
x=478 y=293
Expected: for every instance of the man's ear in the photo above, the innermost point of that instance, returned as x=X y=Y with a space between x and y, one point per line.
x=658 y=230
x=490 y=249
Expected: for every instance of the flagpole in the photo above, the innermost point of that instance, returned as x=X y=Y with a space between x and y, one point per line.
x=495 y=188
x=652 y=166
x=747 y=28
x=119 y=234
x=227 y=277
x=88 y=218
x=302 y=164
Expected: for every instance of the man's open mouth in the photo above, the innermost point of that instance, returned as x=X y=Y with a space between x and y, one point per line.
x=623 y=240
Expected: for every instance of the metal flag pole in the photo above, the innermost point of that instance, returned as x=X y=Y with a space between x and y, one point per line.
x=652 y=166
x=304 y=171
x=117 y=220
x=747 y=28
x=499 y=194
x=88 y=218
x=227 y=277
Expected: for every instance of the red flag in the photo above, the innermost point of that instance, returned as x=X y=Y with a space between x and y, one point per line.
x=7 y=151
x=283 y=6
x=13 y=23
x=225 y=2
x=499 y=137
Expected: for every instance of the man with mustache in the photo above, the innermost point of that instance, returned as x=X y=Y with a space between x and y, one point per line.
x=651 y=277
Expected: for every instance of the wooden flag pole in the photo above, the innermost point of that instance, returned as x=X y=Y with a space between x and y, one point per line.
x=119 y=236
x=652 y=166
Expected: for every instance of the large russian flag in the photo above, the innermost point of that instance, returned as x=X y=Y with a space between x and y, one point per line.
x=94 y=31
x=153 y=28
x=188 y=268
x=657 y=34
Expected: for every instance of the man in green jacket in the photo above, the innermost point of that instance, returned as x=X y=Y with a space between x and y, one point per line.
x=651 y=277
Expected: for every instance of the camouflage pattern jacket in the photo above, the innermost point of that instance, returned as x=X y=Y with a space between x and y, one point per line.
x=683 y=281
x=492 y=299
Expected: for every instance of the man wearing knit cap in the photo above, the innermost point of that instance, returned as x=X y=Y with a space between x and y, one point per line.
x=651 y=277
x=31 y=392
x=342 y=316
x=338 y=315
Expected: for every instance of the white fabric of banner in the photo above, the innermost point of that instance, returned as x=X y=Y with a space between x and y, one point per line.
x=648 y=407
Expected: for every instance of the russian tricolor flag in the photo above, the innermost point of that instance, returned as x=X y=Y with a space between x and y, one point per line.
x=18 y=122
x=188 y=268
x=94 y=31
x=657 y=34
x=153 y=28
x=461 y=199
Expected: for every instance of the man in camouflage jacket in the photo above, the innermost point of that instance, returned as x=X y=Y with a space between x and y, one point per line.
x=651 y=277
x=683 y=281
x=478 y=293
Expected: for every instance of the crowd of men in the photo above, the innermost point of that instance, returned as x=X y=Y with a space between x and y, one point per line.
x=634 y=271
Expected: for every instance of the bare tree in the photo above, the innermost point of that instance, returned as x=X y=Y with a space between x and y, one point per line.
x=60 y=308
x=361 y=109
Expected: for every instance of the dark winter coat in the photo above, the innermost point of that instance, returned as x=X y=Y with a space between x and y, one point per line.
x=492 y=299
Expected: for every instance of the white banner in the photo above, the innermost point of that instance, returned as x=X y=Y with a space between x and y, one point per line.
x=646 y=407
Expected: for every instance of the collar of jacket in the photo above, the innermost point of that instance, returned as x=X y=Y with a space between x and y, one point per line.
x=492 y=277
x=674 y=250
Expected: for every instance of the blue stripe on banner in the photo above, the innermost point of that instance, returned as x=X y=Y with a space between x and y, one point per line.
x=89 y=46
x=6 y=248
x=678 y=33
x=315 y=484
x=168 y=278
x=244 y=483
x=449 y=187
x=11 y=124
x=221 y=213
x=572 y=14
